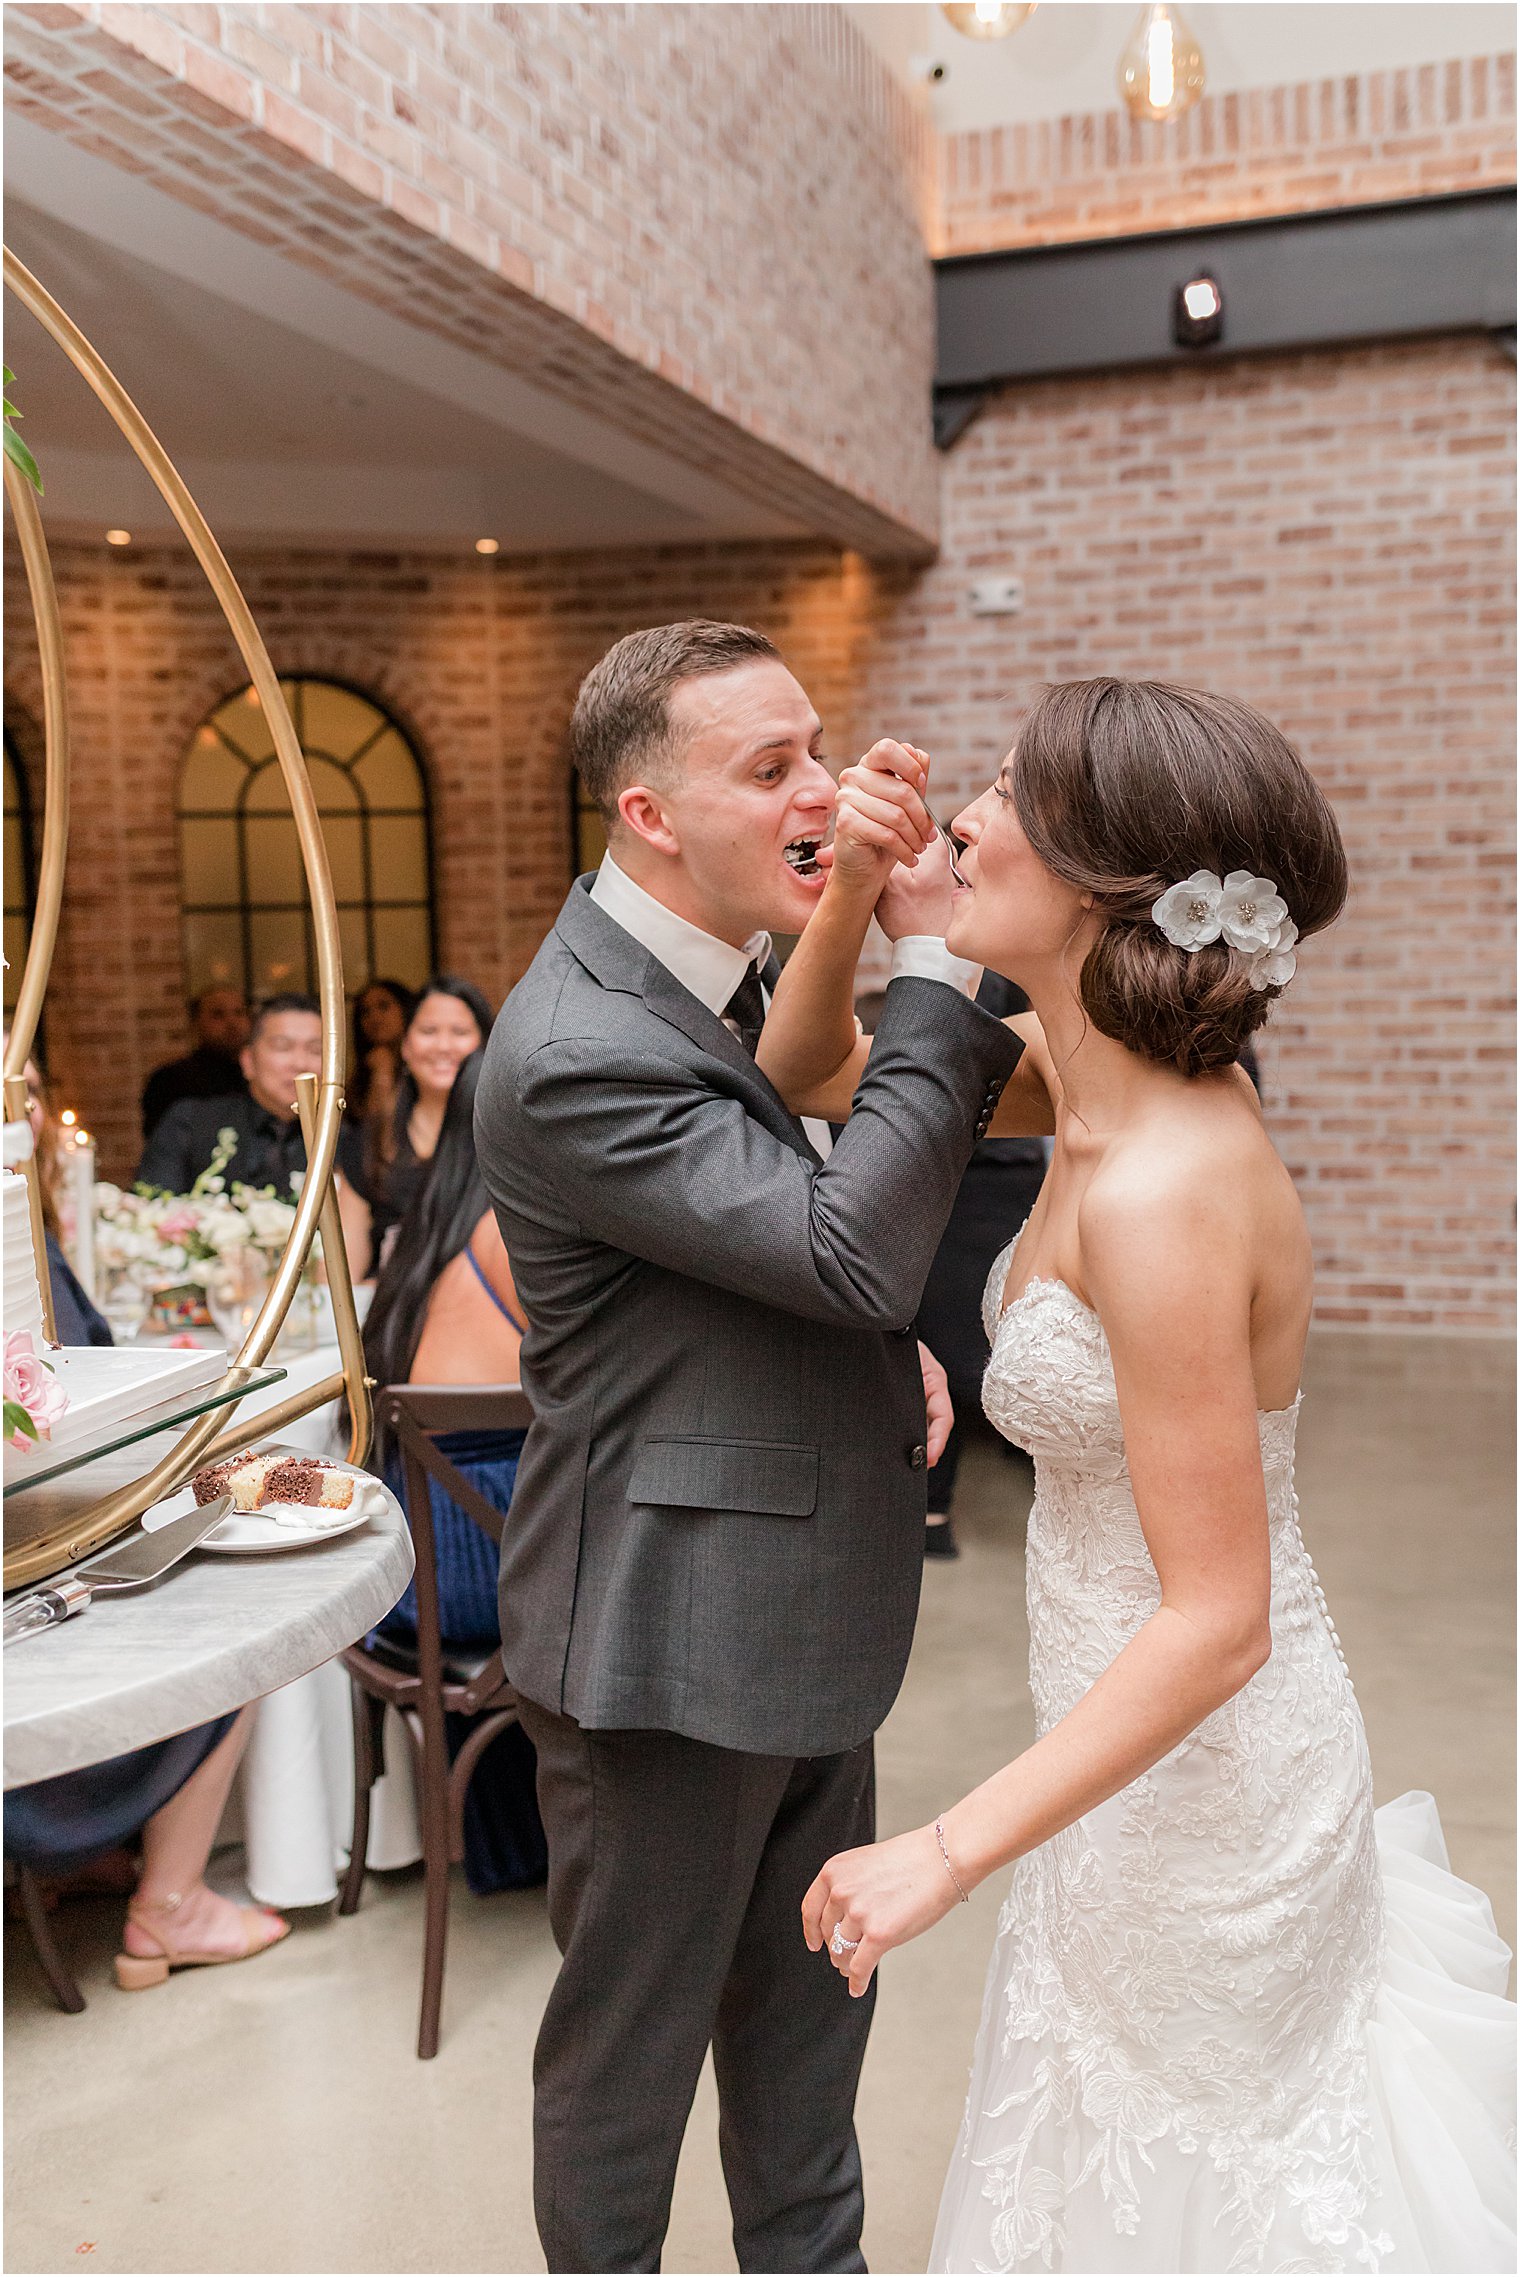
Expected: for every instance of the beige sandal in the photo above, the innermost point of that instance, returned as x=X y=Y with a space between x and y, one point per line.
x=135 y=1972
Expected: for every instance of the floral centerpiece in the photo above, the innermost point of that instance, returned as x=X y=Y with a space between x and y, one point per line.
x=34 y=1399
x=180 y=1253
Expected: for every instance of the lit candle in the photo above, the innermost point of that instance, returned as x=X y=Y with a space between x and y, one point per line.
x=79 y=1185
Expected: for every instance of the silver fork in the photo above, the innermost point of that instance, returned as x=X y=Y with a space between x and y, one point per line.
x=954 y=845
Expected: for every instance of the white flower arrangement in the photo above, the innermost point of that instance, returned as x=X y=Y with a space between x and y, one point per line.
x=1247 y=912
x=166 y=1241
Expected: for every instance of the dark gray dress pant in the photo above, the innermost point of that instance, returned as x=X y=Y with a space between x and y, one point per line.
x=676 y=1877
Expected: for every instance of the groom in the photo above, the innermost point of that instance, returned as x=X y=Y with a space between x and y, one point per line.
x=711 y=1569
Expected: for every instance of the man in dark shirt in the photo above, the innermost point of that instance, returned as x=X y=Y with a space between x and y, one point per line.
x=285 y=1041
x=219 y=1023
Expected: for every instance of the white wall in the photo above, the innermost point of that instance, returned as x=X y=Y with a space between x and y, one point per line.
x=1065 y=57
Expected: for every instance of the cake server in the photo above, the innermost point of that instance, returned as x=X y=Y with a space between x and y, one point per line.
x=44 y=1609
x=132 y=1564
x=143 y=1557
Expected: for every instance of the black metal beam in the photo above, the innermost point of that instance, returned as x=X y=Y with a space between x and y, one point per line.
x=1423 y=265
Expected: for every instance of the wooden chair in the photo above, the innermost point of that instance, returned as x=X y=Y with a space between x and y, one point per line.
x=422 y=1684
x=60 y=1977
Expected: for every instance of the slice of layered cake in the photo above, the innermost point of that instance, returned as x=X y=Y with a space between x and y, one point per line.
x=255 y=1480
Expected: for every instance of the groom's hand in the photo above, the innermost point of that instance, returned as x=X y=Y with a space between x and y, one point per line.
x=880 y=821
x=937 y=1401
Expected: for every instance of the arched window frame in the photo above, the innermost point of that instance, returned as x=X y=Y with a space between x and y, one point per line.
x=249 y=904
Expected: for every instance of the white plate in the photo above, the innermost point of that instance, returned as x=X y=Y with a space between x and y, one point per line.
x=282 y=1526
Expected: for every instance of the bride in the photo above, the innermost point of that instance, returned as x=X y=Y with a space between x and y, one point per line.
x=1236 y=2020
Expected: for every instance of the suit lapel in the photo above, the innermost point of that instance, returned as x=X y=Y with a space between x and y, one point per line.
x=621 y=963
x=668 y=1000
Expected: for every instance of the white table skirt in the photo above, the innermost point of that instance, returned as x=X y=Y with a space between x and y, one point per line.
x=296 y=1794
x=293 y=1806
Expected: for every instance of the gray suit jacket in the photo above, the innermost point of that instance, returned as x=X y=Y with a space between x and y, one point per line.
x=717 y=1526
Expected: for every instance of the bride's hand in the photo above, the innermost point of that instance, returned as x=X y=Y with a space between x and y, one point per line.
x=877 y=1898
x=918 y=900
x=938 y=1405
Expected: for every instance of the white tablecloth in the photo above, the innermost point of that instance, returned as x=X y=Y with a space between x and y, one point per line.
x=293 y=1806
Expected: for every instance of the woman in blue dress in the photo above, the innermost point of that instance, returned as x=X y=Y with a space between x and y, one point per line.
x=445 y=1312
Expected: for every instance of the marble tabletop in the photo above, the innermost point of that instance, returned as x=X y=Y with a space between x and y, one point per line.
x=215 y=1633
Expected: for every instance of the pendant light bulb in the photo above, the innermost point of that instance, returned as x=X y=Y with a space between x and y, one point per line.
x=1161 y=69
x=987 y=19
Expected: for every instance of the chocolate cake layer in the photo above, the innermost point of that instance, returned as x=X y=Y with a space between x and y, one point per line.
x=254 y=1480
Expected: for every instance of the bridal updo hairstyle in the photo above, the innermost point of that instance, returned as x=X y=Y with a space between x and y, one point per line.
x=1125 y=787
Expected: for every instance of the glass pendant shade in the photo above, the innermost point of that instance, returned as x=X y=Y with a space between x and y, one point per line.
x=1161 y=68
x=987 y=19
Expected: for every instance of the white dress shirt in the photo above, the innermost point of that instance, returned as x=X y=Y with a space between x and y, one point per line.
x=712 y=969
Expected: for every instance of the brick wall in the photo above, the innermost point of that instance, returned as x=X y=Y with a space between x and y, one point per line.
x=593 y=197
x=1333 y=142
x=1325 y=535
x=480 y=662
x=1328 y=537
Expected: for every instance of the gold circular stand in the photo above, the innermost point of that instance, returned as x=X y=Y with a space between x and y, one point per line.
x=320 y=1103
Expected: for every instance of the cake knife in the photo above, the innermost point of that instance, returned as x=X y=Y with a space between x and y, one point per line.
x=142 y=1559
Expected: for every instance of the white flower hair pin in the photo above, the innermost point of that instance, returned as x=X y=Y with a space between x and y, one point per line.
x=1248 y=913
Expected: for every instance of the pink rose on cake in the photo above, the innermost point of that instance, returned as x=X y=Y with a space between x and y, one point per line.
x=34 y=1398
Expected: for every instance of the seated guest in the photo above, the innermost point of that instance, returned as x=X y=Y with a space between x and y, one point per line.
x=381 y=1012
x=171 y=1795
x=449 y=1020
x=284 y=1041
x=445 y=1312
x=219 y=1023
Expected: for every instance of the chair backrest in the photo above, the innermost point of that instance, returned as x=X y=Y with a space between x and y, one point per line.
x=413 y=1416
x=454 y=1407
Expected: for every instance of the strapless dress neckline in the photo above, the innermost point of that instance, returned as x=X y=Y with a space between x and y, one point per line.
x=1053 y=1281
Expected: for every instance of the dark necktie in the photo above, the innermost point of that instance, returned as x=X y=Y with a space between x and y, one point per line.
x=746 y=1008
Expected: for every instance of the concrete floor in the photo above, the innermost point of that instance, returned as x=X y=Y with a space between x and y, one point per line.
x=274 y=2117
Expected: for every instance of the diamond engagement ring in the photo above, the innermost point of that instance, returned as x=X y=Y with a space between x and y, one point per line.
x=842 y=1944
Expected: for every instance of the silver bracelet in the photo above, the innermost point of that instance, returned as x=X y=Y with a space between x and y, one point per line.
x=939 y=1831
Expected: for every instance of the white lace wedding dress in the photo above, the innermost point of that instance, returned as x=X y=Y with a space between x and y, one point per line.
x=1235 y=2020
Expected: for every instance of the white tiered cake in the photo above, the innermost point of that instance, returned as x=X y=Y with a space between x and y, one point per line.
x=104 y=1389
x=22 y=1296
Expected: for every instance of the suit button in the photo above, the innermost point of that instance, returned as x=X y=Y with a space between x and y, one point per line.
x=918 y=1458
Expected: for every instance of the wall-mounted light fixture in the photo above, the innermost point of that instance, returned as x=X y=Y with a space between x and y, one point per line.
x=987 y=19
x=118 y=537
x=1198 y=312
x=488 y=545
x=1161 y=69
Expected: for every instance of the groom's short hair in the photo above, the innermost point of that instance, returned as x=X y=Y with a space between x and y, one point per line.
x=620 y=731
